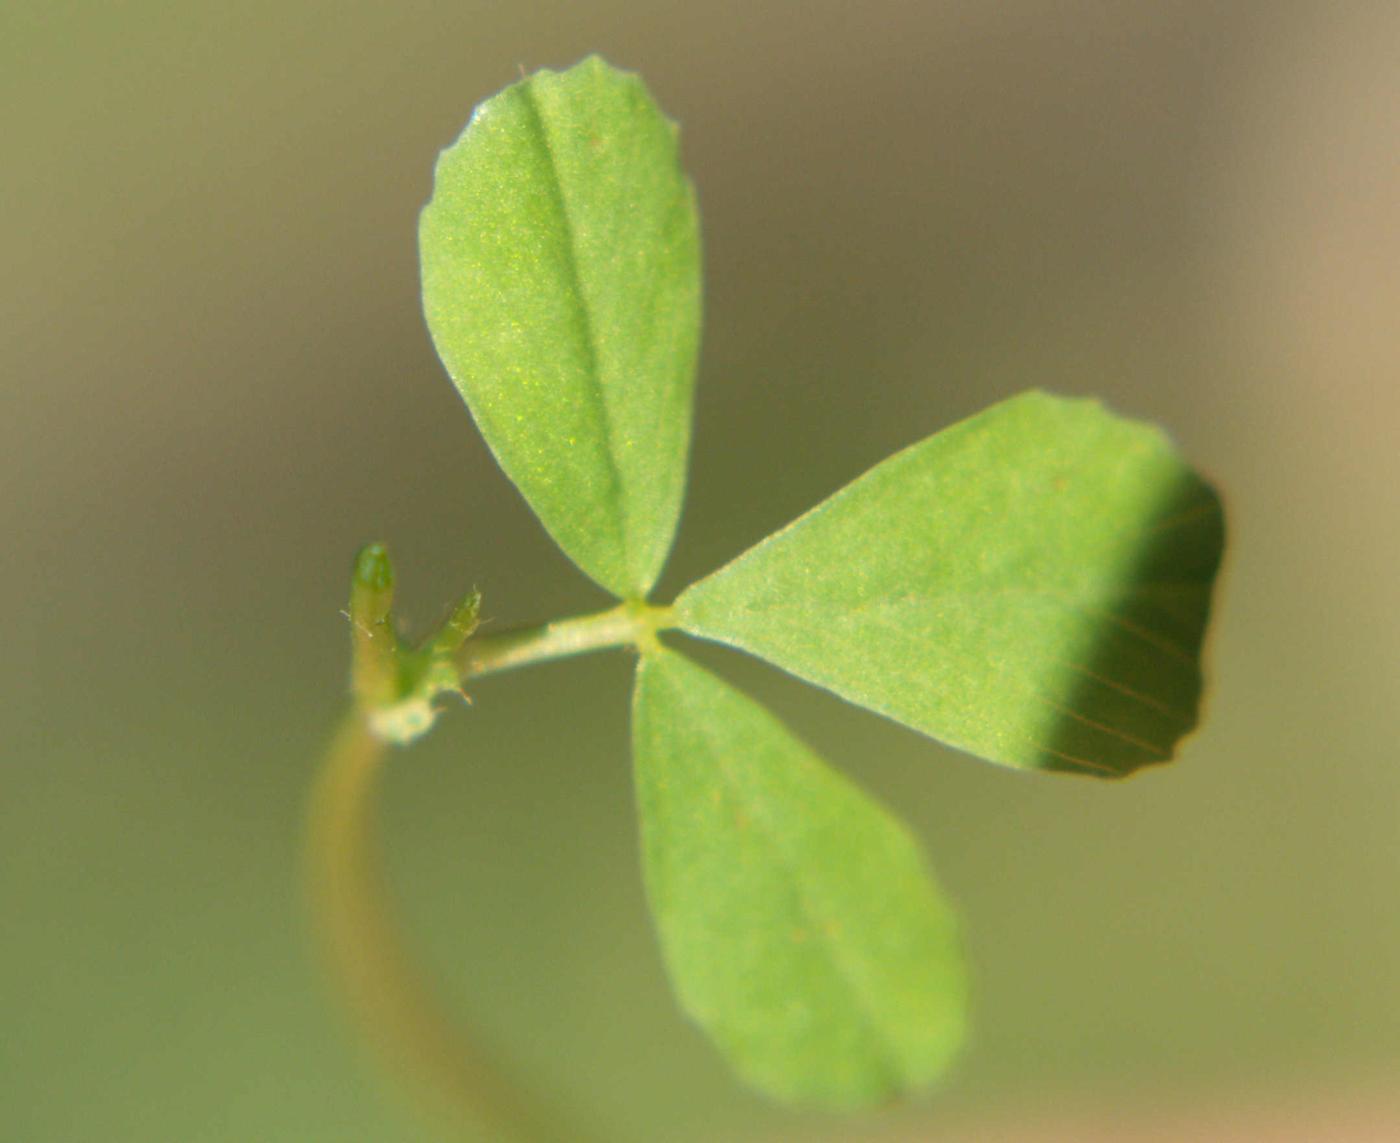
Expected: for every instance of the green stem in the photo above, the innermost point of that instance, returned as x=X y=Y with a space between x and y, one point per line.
x=362 y=948
x=354 y=918
x=628 y=624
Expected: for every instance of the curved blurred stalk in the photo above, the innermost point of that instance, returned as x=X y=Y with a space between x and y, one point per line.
x=362 y=949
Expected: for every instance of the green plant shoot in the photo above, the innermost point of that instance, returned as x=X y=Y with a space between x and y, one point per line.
x=1031 y=586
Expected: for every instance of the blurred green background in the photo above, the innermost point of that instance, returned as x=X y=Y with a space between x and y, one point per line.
x=215 y=383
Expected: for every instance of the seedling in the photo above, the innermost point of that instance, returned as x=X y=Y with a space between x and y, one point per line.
x=1031 y=586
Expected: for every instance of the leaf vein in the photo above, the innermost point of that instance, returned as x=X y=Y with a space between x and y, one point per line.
x=817 y=923
x=586 y=321
x=1131 y=740
x=1124 y=689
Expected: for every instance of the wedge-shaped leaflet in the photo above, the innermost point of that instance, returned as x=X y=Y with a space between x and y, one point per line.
x=561 y=283
x=1031 y=585
x=796 y=917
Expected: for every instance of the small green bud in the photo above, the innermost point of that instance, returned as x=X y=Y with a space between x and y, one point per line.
x=374 y=571
x=460 y=625
x=395 y=684
x=375 y=662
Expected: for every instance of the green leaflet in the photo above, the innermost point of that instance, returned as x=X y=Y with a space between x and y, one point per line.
x=1031 y=585
x=797 y=920
x=561 y=283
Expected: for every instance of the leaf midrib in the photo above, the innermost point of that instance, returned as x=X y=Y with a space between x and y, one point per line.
x=887 y=1056
x=586 y=320
x=1164 y=649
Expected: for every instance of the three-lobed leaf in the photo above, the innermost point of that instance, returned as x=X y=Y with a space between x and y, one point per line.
x=561 y=284
x=1031 y=585
x=798 y=922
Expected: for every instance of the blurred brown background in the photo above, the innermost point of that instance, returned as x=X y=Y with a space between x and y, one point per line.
x=215 y=383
